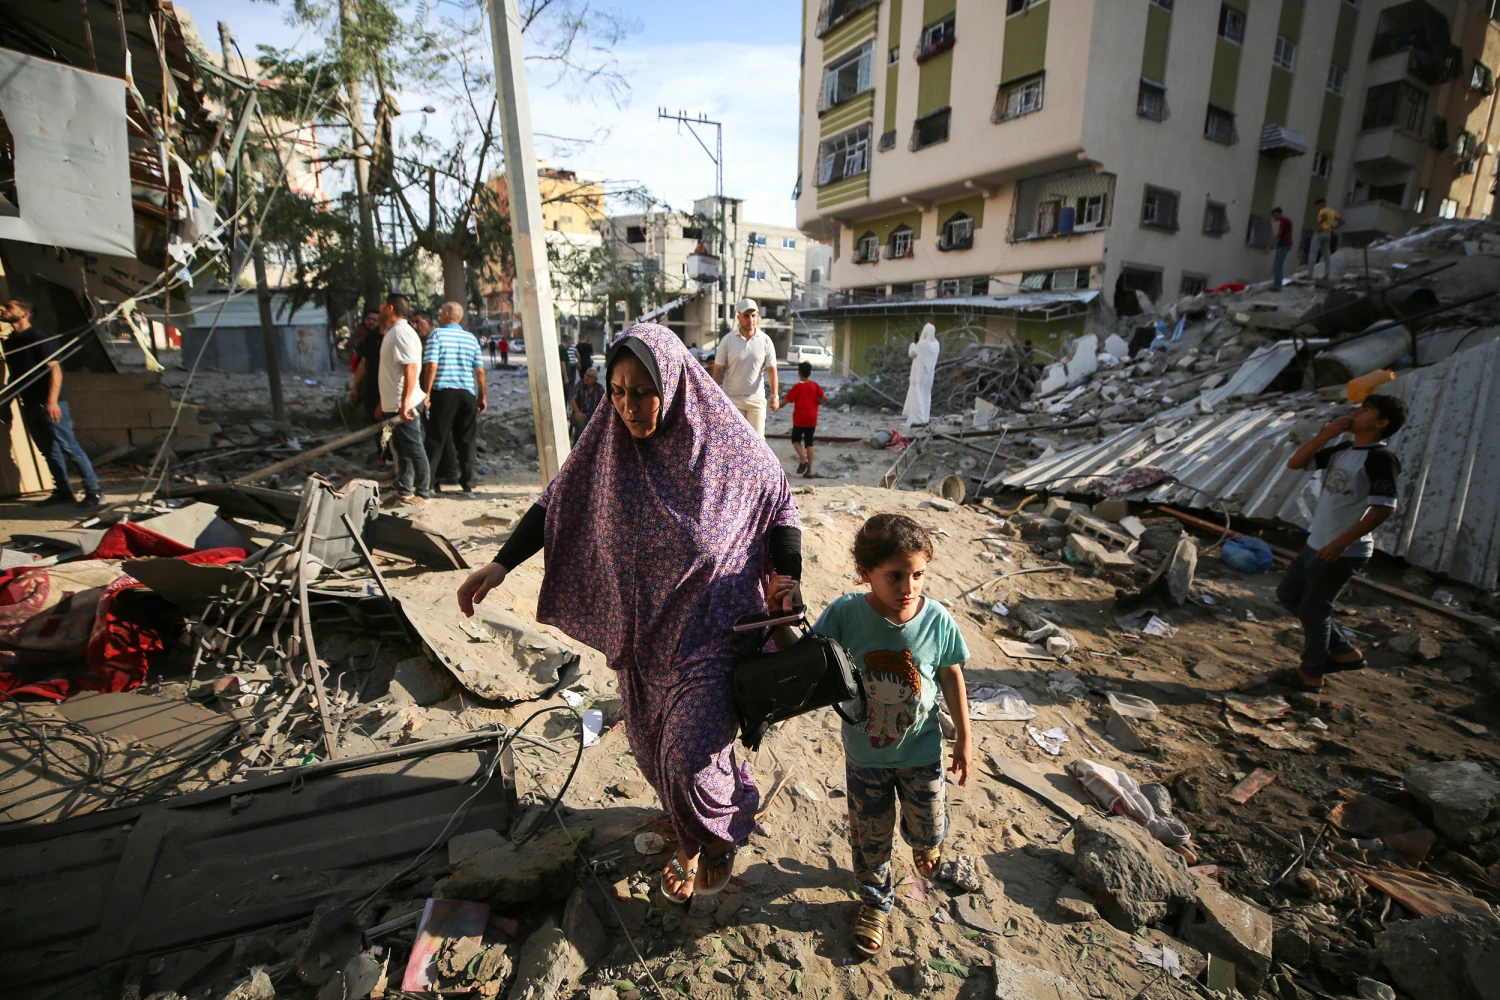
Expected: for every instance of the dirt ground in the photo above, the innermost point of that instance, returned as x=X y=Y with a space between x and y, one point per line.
x=794 y=882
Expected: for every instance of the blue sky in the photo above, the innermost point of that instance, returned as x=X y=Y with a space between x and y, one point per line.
x=737 y=62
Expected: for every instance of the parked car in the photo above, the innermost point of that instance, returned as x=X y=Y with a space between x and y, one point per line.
x=818 y=357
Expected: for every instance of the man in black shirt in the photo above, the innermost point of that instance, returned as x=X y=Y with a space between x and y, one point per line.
x=43 y=409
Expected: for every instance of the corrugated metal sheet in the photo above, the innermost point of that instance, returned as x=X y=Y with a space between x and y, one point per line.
x=1448 y=518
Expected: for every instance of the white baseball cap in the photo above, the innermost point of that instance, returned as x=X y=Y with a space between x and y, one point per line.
x=745 y=305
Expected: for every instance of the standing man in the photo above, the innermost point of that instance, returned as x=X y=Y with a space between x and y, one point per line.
x=401 y=396
x=568 y=358
x=746 y=362
x=1281 y=245
x=585 y=354
x=1322 y=241
x=453 y=378
x=43 y=409
x=583 y=402
x=504 y=351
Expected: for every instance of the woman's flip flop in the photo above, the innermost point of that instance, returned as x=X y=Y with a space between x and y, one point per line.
x=709 y=864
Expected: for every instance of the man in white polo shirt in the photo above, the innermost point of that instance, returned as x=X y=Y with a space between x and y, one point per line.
x=745 y=363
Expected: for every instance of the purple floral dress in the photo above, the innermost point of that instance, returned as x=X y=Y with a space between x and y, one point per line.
x=653 y=548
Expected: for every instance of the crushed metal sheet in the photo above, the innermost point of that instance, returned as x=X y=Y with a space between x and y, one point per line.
x=182 y=727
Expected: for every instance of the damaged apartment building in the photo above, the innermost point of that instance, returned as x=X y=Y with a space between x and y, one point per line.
x=1009 y=167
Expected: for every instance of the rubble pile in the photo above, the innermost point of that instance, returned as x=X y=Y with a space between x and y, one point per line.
x=969 y=373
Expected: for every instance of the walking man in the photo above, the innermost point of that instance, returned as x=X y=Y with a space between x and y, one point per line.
x=746 y=362
x=583 y=402
x=453 y=377
x=43 y=408
x=401 y=396
x=1322 y=239
x=1358 y=496
x=1281 y=245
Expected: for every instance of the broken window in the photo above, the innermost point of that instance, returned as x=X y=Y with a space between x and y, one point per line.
x=1335 y=84
x=1231 y=24
x=1219 y=125
x=1070 y=279
x=893 y=56
x=1467 y=145
x=887 y=141
x=635 y=234
x=849 y=75
x=1322 y=164
x=1396 y=104
x=958 y=233
x=1192 y=284
x=1159 y=208
x=1285 y=53
x=1215 y=218
x=1060 y=204
x=692 y=232
x=936 y=38
x=1016 y=6
x=899 y=245
x=1394 y=194
x=1481 y=79
x=867 y=249
x=836 y=12
x=1141 y=279
x=930 y=129
x=1151 y=100
x=1259 y=231
x=845 y=155
x=1035 y=281
x=1019 y=97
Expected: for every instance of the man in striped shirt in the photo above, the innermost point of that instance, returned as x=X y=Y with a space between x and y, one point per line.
x=453 y=375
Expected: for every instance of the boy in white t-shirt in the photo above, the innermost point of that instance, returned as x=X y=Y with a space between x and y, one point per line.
x=1359 y=494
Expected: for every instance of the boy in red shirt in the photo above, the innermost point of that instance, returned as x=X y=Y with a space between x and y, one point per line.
x=805 y=397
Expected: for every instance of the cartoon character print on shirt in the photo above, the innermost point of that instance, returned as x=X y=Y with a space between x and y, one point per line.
x=894 y=687
x=1337 y=480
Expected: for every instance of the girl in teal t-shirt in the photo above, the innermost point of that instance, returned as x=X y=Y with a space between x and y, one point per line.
x=906 y=648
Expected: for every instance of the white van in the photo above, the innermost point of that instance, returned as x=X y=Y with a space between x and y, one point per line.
x=818 y=357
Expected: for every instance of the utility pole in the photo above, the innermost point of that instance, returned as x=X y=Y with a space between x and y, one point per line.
x=718 y=157
x=362 y=153
x=269 y=342
x=532 y=282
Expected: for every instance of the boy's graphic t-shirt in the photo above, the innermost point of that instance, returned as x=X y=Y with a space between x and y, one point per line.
x=898 y=667
x=1355 y=478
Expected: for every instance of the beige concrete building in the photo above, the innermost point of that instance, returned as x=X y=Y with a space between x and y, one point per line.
x=771 y=264
x=1011 y=165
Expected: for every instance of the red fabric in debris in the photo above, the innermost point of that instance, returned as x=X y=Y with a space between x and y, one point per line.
x=63 y=628
x=1232 y=286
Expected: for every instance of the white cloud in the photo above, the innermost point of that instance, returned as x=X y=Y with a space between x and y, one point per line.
x=752 y=89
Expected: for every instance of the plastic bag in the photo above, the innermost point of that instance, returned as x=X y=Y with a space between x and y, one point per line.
x=1248 y=555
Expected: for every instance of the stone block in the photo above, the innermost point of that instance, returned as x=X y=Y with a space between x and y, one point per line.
x=1231 y=928
x=1134 y=880
x=1112 y=509
x=1461 y=794
x=547 y=960
x=1447 y=956
x=540 y=871
x=1059 y=508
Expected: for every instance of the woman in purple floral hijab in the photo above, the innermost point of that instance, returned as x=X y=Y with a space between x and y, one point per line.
x=659 y=531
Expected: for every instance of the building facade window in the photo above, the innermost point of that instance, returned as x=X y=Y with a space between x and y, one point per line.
x=1420 y=205
x=760 y=240
x=850 y=75
x=755 y=275
x=958 y=233
x=1322 y=164
x=1215 y=218
x=930 y=129
x=936 y=37
x=635 y=234
x=1089 y=211
x=845 y=155
x=1231 y=24
x=1258 y=232
x=899 y=246
x=1016 y=6
x=950 y=287
x=692 y=232
x=1397 y=104
x=1285 y=53
x=1335 y=84
x=887 y=141
x=1159 y=209
x=1065 y=280
x=867 y=249
x=1151 y=100
x=1060 y=204
x=1218 y=126
x=1019 y=97
x=1141 y=279
x=894 y=55
x=1192 y=284
x=787 y=243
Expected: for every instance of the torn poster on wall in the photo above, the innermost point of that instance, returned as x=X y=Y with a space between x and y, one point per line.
x=72 y=180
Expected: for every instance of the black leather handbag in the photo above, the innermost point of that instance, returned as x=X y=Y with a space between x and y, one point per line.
x=814 y=672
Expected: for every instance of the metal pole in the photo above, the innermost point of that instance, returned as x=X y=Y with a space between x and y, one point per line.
x=533 y=284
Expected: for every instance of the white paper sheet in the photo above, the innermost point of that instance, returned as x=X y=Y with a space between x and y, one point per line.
x=72 y=156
